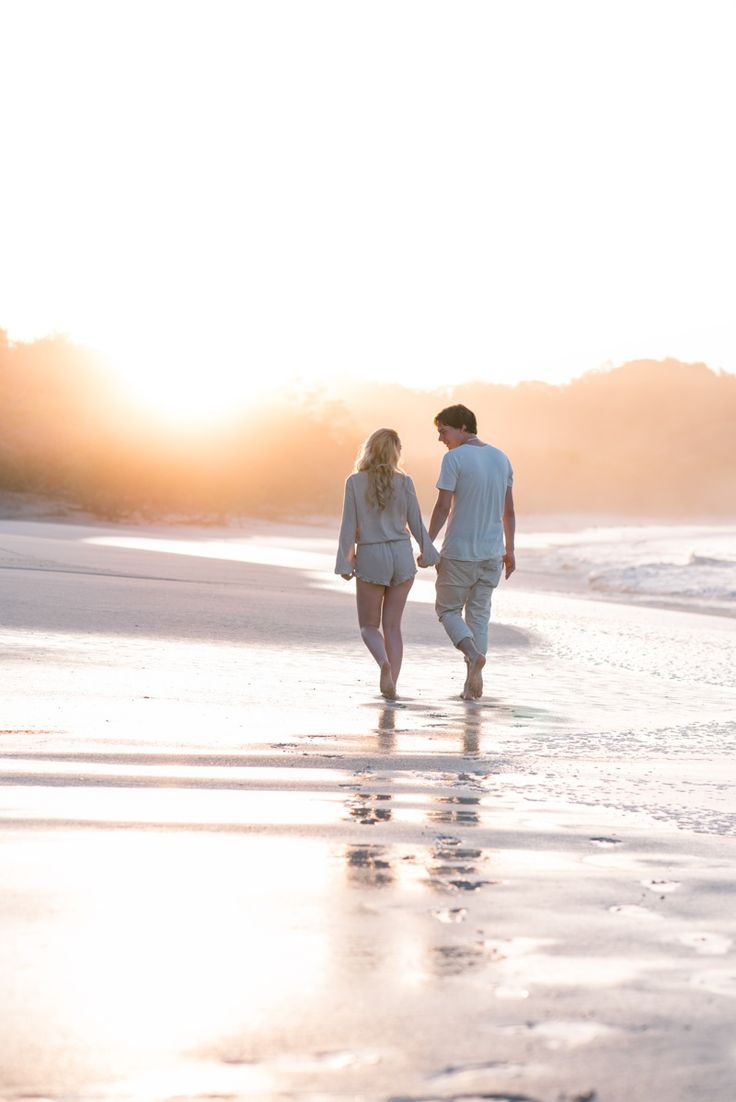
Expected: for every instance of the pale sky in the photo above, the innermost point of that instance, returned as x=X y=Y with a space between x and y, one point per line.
x=221 y=195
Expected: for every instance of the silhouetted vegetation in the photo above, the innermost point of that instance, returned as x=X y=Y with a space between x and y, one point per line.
x=648 y=438
x=69 y=432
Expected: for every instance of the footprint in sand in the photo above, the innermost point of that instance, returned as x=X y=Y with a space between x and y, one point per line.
x=451 y=914
x=633 y=910
x=717 y=983
x=467 y=1075
x=661 y=887
x=707 y=945
x=456 y=960
x=557 y=1035
x=505 y=991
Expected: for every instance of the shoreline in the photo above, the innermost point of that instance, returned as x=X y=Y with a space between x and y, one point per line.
x=532 y=572
x=29 y=505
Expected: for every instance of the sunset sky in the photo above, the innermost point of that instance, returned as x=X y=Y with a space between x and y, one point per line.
x=221 y=194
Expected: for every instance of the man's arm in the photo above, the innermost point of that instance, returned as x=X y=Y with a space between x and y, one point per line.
x=509 y=531
x=440 y=513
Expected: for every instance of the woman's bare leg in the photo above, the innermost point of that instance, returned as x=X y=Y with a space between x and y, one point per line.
x=370 y=600
x=393 y=610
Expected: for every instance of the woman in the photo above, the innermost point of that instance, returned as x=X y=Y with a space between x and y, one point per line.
x=380 y=501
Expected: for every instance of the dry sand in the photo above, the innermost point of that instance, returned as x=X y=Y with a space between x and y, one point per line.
x=231 y=870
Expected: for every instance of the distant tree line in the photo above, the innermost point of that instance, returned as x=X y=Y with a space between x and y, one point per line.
x=68 y=431
x=649 y=438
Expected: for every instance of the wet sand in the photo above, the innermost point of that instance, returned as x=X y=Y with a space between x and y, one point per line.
x=231 y=870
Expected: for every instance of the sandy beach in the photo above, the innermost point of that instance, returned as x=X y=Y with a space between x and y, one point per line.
x=231 y=870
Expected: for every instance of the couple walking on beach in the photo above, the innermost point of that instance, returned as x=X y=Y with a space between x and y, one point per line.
x=475 y=492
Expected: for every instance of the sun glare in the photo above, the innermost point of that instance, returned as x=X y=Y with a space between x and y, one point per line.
x=188 y=385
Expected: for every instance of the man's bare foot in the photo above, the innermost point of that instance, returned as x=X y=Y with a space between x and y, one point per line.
x=466 y=693
x=388 y=689
x=475 y=677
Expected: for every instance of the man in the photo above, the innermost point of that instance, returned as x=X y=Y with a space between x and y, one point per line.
x=475 y=492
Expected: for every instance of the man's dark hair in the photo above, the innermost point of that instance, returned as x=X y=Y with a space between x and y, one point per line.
x=458 y=417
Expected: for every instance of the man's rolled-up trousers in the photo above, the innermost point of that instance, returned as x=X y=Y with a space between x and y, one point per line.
x=464 y=594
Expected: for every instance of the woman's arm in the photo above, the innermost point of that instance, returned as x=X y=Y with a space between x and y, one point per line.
x=428 y=553
x=345 y=562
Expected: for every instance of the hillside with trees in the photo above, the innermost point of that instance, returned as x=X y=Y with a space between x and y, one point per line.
x=650 y=438
x=646 y=439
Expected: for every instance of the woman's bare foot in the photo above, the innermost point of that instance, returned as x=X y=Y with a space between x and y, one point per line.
x=388 y=688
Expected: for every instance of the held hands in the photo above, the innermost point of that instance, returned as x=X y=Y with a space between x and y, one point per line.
x=422 y=563
x=429 y=556
x=509 y=561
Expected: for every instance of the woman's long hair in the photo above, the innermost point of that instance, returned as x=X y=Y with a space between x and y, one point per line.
x=379 y=457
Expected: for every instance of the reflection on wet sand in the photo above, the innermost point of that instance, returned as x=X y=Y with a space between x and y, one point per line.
x=447 y=865
x=472 y=727
x=455 y=959
x=455 y=810
x=362 y=807
x=468 y=727
x=402 y=725
x=453 y=868
x=369 y=866
x=386 y=729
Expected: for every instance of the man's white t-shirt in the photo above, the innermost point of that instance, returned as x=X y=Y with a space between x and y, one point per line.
x=479 y=476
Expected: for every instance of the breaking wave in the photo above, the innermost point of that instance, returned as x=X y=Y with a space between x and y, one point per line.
x=701 y=578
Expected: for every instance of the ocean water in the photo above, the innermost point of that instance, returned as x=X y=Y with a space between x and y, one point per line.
x=683 y=565
x=693 y=565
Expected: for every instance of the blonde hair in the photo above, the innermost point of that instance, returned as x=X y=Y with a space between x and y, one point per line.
x=379 y=457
